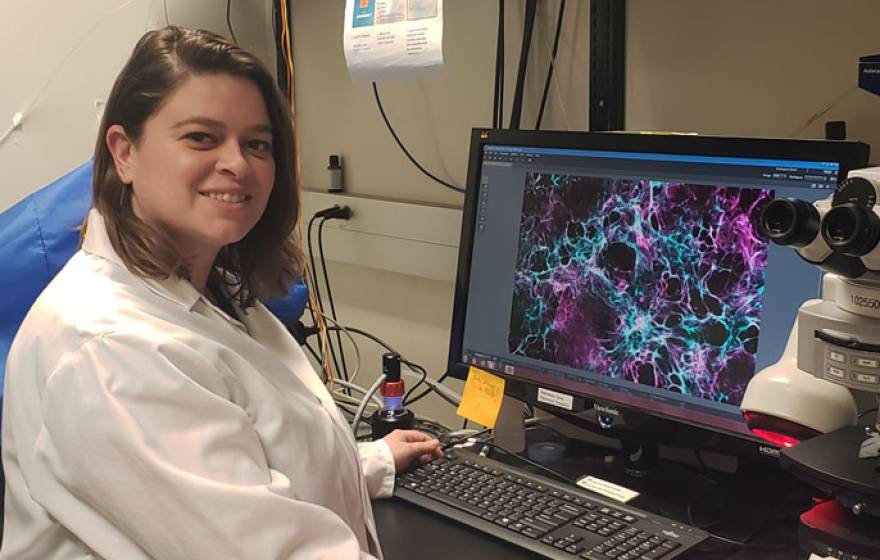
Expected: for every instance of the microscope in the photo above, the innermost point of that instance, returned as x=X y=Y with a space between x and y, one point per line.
x=819 y=402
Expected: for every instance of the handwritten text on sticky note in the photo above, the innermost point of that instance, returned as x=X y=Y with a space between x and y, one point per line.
x=481 y=400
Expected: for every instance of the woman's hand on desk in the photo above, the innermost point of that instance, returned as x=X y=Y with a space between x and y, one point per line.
x=411 y=448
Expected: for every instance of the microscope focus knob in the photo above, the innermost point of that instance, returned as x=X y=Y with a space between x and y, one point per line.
x=851 y=229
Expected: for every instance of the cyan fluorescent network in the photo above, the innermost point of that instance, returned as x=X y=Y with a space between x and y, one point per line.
x=655 y=282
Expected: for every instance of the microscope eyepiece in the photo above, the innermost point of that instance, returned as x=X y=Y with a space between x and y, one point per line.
x=789 y=221
x=851 y=229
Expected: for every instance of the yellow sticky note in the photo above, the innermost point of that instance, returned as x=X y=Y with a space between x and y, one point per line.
x=481 y=400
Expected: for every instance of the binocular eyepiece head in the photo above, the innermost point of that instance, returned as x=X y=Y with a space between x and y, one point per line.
x=850 y=229
x=789 y=221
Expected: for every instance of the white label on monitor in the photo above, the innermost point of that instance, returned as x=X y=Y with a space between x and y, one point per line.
x=556 y=399
x=607 y=489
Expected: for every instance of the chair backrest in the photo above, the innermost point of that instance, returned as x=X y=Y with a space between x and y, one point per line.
x=37 y=236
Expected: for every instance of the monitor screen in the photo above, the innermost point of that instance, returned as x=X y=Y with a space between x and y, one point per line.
x=627 y=268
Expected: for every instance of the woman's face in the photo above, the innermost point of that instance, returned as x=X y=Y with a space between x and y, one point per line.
x=203 y=169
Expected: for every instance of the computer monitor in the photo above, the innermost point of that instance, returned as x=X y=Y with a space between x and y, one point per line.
x=626 y=269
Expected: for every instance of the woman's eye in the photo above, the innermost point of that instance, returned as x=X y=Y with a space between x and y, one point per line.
x=260 y=146
x=199 y=137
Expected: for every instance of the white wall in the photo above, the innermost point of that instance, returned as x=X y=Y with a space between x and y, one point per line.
x=58 y=58
x=751 y=67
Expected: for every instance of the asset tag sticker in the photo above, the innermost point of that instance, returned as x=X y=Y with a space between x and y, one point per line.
x=607 y=489
x=556 y=399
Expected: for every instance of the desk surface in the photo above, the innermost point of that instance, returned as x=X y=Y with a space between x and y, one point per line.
x=408 y=532
x=756 y=509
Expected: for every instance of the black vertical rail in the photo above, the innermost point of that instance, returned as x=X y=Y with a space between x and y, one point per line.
x=607 y=64
x=528 y=25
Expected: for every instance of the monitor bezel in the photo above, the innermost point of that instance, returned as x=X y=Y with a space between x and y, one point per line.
x=849 y=154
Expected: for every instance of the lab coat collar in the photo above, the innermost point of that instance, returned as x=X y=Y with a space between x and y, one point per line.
x=174 y=288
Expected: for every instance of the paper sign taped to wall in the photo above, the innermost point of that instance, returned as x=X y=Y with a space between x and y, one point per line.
x=482 y=396
x=392 y=38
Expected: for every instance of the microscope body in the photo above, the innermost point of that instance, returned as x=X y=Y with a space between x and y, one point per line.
x=830 y=370
x=839 y=335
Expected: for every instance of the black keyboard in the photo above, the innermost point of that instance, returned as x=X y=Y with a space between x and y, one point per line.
x=549 y=518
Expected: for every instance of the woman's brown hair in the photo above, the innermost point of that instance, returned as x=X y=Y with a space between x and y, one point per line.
x=268 y=258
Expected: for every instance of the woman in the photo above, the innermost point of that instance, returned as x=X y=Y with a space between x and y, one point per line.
x=153 y=407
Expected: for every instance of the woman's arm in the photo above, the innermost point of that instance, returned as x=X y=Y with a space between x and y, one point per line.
x=399 y=451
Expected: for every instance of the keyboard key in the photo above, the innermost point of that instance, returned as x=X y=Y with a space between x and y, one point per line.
x=574 y=510
x=456 y=503
x=548 y=520
x=656 y=553
x=537 y=524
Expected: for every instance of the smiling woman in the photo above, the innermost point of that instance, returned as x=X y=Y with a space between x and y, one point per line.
x=203 y=169
x=185 y=106
x=153 y=407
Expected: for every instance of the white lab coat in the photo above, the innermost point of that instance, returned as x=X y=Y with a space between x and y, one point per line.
x=140 y=421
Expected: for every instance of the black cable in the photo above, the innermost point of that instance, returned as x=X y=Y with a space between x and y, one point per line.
x=705 y=468
x=547 y=428
x=550 y=471
x=330 y=295
x=498 y=107
x=424 y=393
x=552 y=64
x=229 y=22
x=402 y=147
x=745 y=542
x=372 y=337
x=318 y=296
x=465 y=438
x=528 y=25
x=412 y=365
x=312 y=352
x=313 y=284
x=409 y=393
x=865 y=413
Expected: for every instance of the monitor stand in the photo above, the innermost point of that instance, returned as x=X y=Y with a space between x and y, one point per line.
x=510 y=426
x=639 y=458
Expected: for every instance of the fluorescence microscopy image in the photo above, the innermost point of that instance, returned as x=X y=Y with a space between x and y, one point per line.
x=654 y=282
